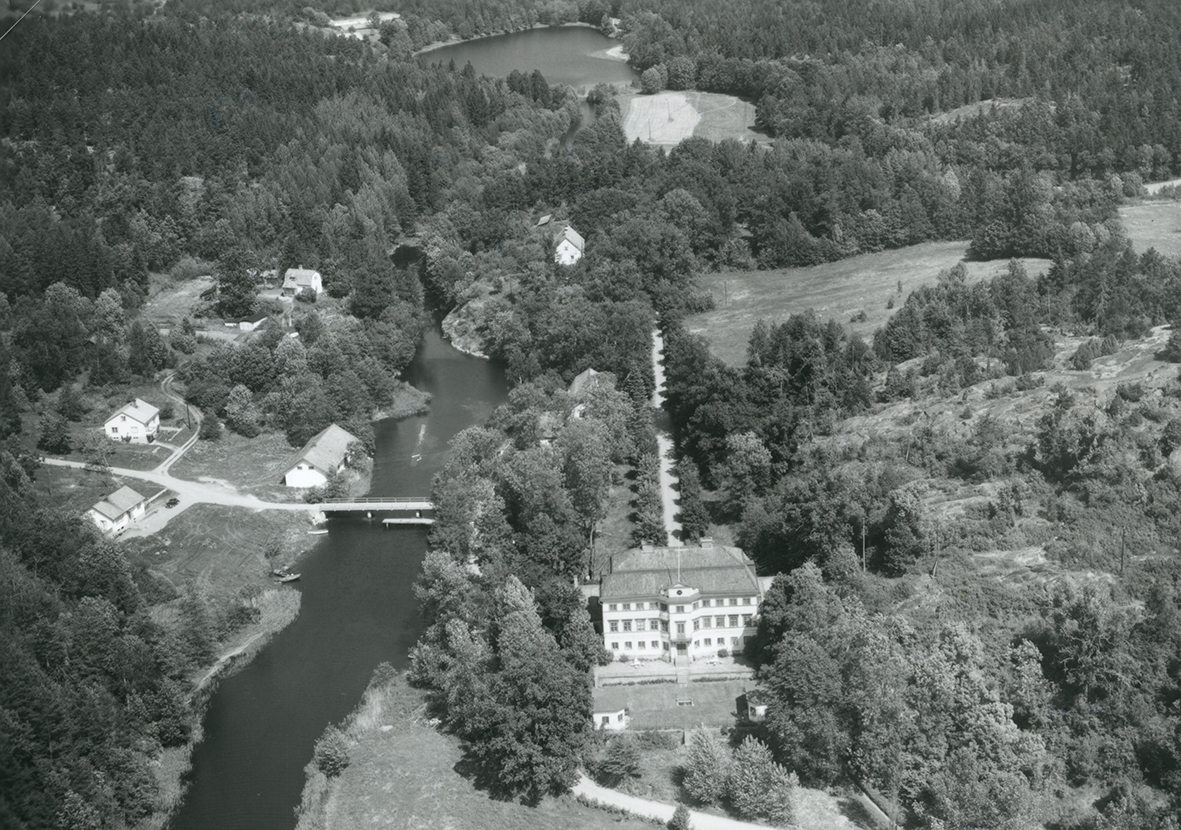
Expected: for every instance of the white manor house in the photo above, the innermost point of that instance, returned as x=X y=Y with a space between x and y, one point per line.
x=688 y=602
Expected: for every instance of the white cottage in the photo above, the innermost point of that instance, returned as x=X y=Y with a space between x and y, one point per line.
x=610 y=709
x=298 y=279
x=322 y=456
x=114 y=513
x=136 y=423
x=568 y=246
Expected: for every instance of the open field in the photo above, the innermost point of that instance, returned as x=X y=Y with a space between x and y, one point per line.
x=836 y=290
x=169 y=302
x=402 y=774
x=1153 y=225
x=250 y=465
x=669 y=117
x=972 y=110
x=253 y=465
x=222 y=547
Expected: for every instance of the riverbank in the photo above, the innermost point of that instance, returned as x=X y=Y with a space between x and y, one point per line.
x=401 y=773
x=278 y=608
x=440 y=44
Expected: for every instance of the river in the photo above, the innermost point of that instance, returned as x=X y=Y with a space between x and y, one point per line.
x=563 y=54
x=358 y=610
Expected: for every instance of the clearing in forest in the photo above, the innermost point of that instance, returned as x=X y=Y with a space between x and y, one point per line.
x=669 y=117
x=840 y=290
x=1153 y=225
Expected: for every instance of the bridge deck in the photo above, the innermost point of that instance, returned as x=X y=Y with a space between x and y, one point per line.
x=374 y=505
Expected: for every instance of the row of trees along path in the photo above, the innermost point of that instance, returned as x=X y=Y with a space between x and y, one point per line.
x=664 y=441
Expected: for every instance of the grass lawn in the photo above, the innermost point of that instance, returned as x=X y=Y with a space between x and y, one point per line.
x=252 y=465
x=170 y=301
x=402 y=774
x=76 y=491
x=836 y=290
x=614 y=533
x=222 y=547
x=1153 y=225
x=654 y=705
x=667 y=118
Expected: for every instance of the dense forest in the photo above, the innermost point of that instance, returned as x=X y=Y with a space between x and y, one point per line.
x=233 y=139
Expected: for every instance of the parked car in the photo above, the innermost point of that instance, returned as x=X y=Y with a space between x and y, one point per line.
x=172 y=502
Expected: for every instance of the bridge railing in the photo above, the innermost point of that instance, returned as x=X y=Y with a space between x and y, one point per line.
x=391 y=500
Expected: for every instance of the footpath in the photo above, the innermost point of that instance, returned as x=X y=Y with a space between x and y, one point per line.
x=656 y=810
x=664 y=442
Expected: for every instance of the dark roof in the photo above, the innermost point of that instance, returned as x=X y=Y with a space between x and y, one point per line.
x=255 y=318
x=711 y=569
x=610 y=699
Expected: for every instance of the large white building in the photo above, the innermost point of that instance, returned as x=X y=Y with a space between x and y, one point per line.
x=136 y=422
x=691 y=602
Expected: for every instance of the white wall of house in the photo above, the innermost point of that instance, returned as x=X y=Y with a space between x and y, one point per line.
x=567 y=253
x=120 y=524
x=122 y=428
x=611 y=721
x=304 y=475
x=652 y=629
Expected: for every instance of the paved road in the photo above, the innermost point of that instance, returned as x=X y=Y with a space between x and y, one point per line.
x=657 y=810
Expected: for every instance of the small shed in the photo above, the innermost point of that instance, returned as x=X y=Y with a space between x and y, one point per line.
x=118 y=510
x=252 y=322
x=752 y=706
x=610 y=709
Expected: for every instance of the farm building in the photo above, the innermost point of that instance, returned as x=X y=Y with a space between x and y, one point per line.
x=299 y=279
x=690 y=601
x=118 y=510
x=610 y=709
x=568 y=246
x=252 y=322
x=136 y=423
x=323 y=455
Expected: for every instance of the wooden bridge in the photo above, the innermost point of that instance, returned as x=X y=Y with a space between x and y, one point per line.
x=411 y=510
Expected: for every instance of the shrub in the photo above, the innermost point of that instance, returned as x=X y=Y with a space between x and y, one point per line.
x=722 y=652
x=1130 y=392
x=54 y=435
x=681 y=819
x=331 y=755
x=210 y=428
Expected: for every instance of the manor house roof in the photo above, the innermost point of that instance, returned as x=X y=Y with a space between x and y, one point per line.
x=652 y=571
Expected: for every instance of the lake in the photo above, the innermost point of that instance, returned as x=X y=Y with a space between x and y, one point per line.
x=563 y=54
x=358 y=610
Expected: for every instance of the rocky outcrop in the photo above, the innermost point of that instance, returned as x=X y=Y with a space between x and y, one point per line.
x=462 y=327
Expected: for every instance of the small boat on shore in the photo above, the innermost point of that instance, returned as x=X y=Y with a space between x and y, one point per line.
x=317 y=532
x=289 y=578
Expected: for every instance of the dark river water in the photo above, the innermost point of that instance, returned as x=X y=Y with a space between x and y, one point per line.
x=358 y=610
x=564 y=54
